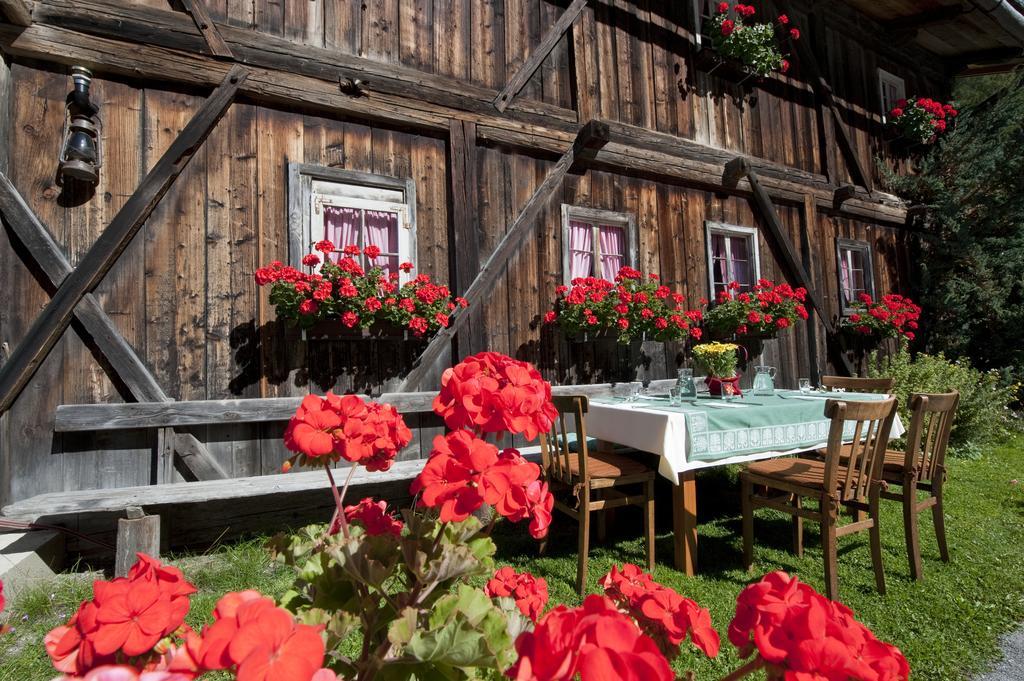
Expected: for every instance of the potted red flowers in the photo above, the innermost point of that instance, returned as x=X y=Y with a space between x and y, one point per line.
x=343 y=298
x=744 y=46
x=920 y=120
x=894 y=316
x=760 y=313
x=630 y=308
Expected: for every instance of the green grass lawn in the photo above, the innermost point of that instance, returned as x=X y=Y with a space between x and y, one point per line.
x=947 y=625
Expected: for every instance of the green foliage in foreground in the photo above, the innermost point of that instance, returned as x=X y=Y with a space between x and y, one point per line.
x=948 y=625
x=982 y=417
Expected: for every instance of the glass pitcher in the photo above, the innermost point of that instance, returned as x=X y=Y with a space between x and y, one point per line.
x=687 y=388
x=764 y=380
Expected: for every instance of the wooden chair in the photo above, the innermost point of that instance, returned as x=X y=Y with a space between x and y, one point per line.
x=590 y=478
x=858 y=385
x=922 y=467
x=855 y=485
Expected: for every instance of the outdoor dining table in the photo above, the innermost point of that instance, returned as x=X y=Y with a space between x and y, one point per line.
x=707 y=431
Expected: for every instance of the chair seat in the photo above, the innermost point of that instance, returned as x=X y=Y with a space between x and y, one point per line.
x=893 y=463
x=802 y=472
x=609 y=465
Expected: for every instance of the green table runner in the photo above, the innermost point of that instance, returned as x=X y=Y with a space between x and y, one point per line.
x=787 y=420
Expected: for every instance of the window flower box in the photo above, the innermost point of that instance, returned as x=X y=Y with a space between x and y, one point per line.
x=738 y=48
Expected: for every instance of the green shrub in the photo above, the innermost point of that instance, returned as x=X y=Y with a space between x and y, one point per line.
x=983 y=415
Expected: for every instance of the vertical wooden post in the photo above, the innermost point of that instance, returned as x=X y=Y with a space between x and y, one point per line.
x=808 y=225
x=138 y=533
x=465 y=242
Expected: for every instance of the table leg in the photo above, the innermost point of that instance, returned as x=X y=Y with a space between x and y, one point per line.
x=684 y=516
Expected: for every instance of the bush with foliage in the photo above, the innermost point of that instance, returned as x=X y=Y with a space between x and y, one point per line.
x=767 y=309
x=982 y=416
x=344 y=292
x=754 y=44
x=971 y=249
x=398 y=590
x=629 y=308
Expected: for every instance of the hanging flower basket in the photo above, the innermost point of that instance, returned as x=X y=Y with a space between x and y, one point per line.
x=742 y=48
x=335 y=330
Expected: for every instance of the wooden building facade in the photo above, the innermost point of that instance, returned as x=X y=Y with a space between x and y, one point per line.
x=413 y=91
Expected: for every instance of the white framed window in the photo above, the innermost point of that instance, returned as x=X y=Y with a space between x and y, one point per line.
x=351 y=208
x=733 y=255
x=891 y=89
x=854 y=271
x=596 y=243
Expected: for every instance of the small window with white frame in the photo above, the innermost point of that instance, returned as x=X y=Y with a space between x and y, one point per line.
x=891 y=89
x=596 y=243
x=351 y=208
x=855 y=273
x=733 y=255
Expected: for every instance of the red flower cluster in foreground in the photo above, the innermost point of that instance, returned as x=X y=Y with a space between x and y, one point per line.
x=492 y=393
x=803 y=635
x=465 y=472
x=891 y=317
x=374 y=516
x=126 y=618
x=325 y=429
x=660 y=611
x=595 y=641
x=530 y=593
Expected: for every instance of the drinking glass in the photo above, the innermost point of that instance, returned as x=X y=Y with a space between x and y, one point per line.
x=687 y=388
x=805 y=385
x=635 y=389
x=675 y=396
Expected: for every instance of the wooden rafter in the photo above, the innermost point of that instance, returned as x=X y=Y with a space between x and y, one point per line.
x=44 y=255
x=589 y=139
x=97 y=261
x=18 y=12
x=299 y=76
x=197 y=10
x=930 y=17
x=523 y=74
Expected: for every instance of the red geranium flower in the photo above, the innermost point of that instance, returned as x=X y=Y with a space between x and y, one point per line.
x=325 y=246
x=311 y=260
x=530 y=593
x=374 y=516
x=308 y=307
x=595 y=641
x=728 y=26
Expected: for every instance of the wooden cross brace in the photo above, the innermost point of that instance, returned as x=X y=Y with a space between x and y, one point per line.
x=101 y=256
x=590 y=138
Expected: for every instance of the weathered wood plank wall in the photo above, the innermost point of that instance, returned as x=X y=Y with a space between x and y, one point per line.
x=183 y=293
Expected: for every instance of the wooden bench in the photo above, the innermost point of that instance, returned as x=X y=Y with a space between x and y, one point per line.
x=198 y=514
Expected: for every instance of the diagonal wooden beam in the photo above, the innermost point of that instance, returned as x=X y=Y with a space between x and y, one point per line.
x=794 y=267
x=18 y=12
x=54 y=319
x=46 y=256
x=197 y=10
x=522 y=76
x=589 y=139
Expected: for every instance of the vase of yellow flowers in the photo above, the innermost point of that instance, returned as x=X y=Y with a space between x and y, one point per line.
x=719 y=361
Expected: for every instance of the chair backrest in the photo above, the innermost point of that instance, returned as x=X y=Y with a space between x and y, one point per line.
x=556 y=447
x=860 y=385
x=866 y=451
x=931 y=420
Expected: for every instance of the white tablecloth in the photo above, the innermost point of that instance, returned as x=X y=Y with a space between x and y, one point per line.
x=663 y=433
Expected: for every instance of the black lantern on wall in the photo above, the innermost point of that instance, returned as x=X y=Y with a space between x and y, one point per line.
x=81 y=153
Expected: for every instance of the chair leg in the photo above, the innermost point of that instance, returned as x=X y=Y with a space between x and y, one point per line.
x=747 y=490
x=876 y=541
x=830 y=547
x=649 y=524
x=939 y=518
x=798 y=529
x=910 y=529
x=581 y=566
